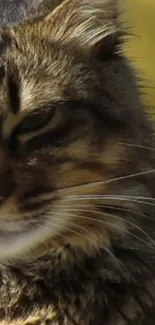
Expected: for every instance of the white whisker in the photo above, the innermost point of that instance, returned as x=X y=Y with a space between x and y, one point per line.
x=105 y=197
x=108 y=224
x=116 y=196
x=85 y=231
x=137 y=146
x=117 y=217
x=67 y=228
x=109 y=207
x=101 y=182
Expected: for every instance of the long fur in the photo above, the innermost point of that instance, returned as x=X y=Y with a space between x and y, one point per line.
x=77 y=198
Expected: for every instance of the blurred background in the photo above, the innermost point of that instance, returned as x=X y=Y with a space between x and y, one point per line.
x=140 y=15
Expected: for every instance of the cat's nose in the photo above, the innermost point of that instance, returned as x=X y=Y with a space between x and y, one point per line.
x=6 y=179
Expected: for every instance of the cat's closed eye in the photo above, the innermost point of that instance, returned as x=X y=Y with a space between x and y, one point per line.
x=36 y=120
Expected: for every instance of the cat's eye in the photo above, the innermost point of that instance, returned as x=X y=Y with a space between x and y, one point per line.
x=36 y=120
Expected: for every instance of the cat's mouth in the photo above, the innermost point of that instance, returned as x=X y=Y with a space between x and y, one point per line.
x=18 y=239
x=76 y=218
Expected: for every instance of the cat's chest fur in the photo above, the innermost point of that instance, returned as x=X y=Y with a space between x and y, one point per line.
x=93 y=291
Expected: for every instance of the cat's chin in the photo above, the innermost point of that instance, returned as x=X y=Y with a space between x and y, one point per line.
x=21 y=246
x=18 y=238
x=21 y=239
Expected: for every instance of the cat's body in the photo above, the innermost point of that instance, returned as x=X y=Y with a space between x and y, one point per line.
x=77 y=213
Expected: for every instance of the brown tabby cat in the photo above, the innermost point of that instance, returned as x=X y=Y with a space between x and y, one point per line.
x=77 y=177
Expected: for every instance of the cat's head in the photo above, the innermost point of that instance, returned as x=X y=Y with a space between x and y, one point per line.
x=68 y=102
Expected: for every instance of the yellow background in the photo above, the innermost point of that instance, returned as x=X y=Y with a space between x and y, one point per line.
x=140 y=15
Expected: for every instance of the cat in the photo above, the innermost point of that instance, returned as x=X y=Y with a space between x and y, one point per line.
x=77 y=210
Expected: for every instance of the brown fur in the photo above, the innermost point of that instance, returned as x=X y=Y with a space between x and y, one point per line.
x=76 y=174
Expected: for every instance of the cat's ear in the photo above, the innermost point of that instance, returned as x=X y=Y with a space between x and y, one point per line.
x=90 y=24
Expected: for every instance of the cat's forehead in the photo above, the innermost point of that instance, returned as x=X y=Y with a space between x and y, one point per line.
x=47 y=75
x=50 y=83
x=49 y=59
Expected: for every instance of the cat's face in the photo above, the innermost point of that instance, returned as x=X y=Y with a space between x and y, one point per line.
x=67 y=102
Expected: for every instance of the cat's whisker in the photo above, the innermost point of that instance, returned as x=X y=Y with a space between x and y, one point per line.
x=91 y=235
x=108 y=224
x=117 y=196
x=85 y=231
x=58 y=233
x=50 y=196
x=68 y=229
x=110 y=207
x=100 y=244
x=104 y=197
x=46 y=245
x=136 y=146
x=103 y=182
x=117 y=217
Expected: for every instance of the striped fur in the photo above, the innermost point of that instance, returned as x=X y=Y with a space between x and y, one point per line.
x=76 y=173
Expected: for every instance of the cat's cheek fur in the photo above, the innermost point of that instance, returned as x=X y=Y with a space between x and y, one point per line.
x=18 y=237
x=59 y=226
